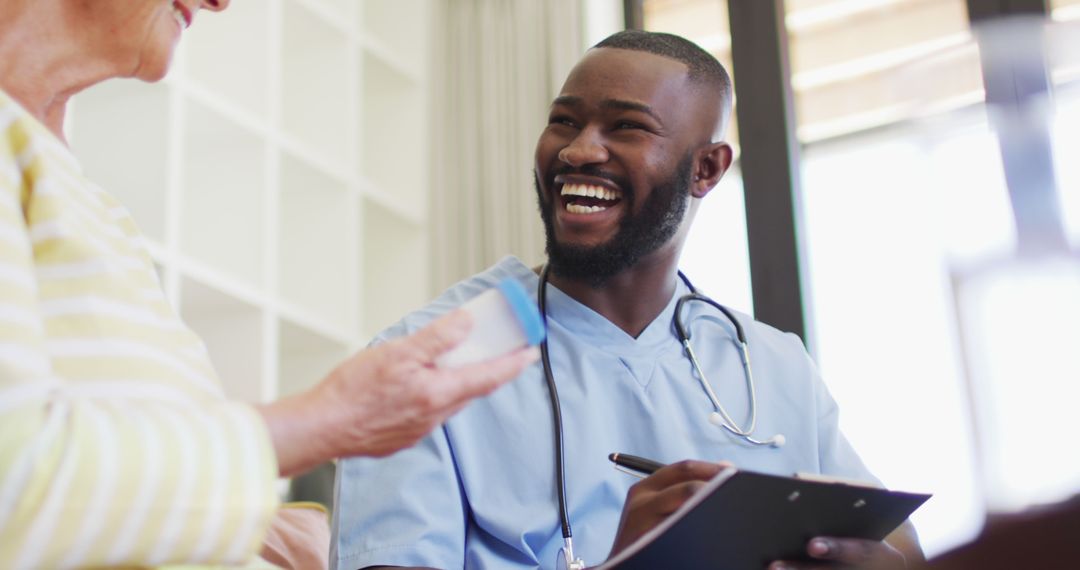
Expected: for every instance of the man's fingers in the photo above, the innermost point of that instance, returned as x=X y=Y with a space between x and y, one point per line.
x=852 y=550
x=778 y=565
x=848 y=552
x=683 y=471
x=663 y=503
x=440 y=336
x=822 y=548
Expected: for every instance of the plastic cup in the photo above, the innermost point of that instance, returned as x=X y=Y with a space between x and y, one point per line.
x=504 y=319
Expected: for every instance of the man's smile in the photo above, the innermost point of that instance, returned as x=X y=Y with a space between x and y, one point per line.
x=586 y=195
x=583 y=199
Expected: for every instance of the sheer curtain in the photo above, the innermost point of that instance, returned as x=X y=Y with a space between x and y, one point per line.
x=496 y=66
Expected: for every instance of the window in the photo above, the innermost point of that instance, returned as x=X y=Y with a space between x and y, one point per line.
x=859 y=64
x=1065 y=65
x=886 y=174
x=902 y=180
x=902 y=177
x=881 y=215
x=1065 y=10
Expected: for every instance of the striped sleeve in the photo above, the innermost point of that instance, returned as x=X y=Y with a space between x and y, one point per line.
x=94 y=476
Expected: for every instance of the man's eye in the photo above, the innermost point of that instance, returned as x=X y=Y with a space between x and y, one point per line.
x=622 y=125
x=562 y=120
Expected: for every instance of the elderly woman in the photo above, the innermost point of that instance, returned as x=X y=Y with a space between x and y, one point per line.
x=117 y=446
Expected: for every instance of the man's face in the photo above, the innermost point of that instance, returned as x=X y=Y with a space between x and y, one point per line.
x=613 y=166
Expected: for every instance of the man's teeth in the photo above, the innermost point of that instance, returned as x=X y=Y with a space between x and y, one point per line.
x=589 y=192
x=578 y=209
x=586 y=191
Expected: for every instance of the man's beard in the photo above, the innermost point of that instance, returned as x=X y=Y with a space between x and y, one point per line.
x=638 y=235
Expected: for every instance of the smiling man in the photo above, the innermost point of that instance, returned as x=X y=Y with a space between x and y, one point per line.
x=634 y=142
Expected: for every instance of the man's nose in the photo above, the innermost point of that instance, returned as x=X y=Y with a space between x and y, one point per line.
x=586 y=148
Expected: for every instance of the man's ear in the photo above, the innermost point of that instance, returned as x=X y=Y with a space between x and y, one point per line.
x=712 y=162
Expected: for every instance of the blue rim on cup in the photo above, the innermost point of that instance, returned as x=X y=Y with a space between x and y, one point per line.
x=528 y=316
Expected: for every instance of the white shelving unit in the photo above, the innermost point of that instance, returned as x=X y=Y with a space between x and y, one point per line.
x=280 y=174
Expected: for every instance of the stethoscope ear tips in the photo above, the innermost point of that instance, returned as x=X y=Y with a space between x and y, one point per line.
x=716 y=419
x=778 y=440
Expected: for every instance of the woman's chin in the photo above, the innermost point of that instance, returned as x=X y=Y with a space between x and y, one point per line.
x=154 y=75
x=151 y=71
x=154 y=64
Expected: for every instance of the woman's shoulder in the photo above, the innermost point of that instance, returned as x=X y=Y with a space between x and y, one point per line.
x=30 y=153
x=23 y=136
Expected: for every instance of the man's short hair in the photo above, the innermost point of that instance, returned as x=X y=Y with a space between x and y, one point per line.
x=703 y=67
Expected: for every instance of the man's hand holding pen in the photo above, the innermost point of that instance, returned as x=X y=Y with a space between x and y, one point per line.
x=664 y=488
x=657 y=496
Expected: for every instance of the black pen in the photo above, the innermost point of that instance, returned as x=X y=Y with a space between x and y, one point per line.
x=634 y=465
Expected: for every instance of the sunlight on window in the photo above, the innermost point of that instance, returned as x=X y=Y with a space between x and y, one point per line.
x=1020 y=335
x=902 y=182
x=1020 y=316
x=1066 y=145
x=885 y=216
x=715 y=257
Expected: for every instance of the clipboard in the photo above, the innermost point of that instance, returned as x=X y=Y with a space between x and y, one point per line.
x=744 y=520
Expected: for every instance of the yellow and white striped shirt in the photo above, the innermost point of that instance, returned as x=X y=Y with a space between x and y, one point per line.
x=117 y=445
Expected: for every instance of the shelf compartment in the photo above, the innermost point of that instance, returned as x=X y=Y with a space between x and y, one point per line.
x=315 y=246
x=233 y=332
x=222 y=213
x=305 y=357
x=236 y=70
x=339 y=13
x=387 y=22
x=411 y=210
x=118 y=120
x=315 y=61
x=392 y=128
x=395 y=275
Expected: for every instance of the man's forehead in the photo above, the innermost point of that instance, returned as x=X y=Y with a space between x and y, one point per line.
x=613 y=78
x=626 y=74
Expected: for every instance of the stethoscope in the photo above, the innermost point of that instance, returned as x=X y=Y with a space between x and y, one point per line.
x=719 y=416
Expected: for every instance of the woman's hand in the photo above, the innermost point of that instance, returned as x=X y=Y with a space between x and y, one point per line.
x=384 y=398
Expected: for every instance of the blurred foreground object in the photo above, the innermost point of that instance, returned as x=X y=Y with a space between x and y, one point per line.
x=1040 y=538
x=1019 y=314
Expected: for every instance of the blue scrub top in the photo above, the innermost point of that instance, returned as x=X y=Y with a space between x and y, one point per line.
x=480 y=492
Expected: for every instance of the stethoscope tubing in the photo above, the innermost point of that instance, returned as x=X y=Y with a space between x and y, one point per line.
x=556 y=411
x=683 y=333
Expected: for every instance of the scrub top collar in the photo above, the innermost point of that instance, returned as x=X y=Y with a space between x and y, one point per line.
x=594 y=329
